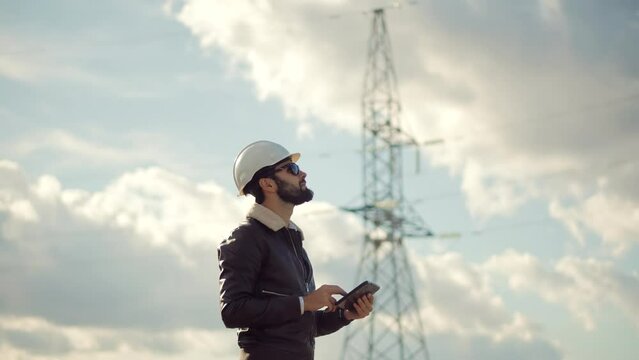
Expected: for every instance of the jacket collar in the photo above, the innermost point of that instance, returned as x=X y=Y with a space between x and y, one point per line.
x=269 y=218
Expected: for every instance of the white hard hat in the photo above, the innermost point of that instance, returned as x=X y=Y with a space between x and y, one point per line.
x=256 y=156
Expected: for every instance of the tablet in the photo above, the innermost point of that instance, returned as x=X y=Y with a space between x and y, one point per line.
x=346 y=303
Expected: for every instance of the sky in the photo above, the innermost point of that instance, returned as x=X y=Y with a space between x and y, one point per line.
x=121 y=120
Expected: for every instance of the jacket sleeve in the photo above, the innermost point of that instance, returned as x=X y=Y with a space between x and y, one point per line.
x=329 y=322
x=240 y=260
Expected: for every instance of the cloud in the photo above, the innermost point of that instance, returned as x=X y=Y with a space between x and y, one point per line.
x=17 y=70
x=34 y=61
x=129 y=270
x=460 y=299
x=464 y=315
x=339 y=240
x=464 y=302
x=96 y=259
x=38 y=61
x=66 y=142
x=162 y=207
x=483 y=347
x=18 y=63
x=70 y=149
x=36 y=338
x=534 y=100
x=600 y=213
x=276 y=45
x=583 y=286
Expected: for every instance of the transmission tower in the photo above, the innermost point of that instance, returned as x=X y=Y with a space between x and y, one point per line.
x=393 y=330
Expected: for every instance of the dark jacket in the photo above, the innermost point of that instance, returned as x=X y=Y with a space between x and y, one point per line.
x=263 y=272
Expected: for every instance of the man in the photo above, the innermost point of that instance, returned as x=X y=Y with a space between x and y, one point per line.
x=266 y=279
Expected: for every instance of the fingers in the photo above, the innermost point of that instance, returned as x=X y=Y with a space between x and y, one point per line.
x=368 y=300
x=329 y=291
x=362 y=308
x=358 y=309
x=324 y=297
x=331 y=306
x=364 y=305
x=335 y=290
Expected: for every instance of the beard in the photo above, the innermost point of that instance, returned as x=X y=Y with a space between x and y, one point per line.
x=293 y=194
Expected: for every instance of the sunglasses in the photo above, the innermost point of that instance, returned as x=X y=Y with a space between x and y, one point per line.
x=292 y=168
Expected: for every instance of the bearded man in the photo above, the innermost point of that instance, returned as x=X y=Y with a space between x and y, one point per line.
x=267 y=289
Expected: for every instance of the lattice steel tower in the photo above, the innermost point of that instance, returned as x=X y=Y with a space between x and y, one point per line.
x=394 y=330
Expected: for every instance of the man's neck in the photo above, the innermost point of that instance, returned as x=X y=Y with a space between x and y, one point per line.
x=281 y=208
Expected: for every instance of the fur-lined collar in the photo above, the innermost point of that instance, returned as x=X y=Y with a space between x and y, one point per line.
x=269 y=218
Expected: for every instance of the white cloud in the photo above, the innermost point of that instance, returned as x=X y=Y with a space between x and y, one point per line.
x=18 y=62
x=459 y=298
x=142 y=148
x=129 y=271
x=17 y=70
x=464 y=315
x=462 y=298
x=162 y=207
x=39 y=339
x=276 y=46
x=613 y=217
x=534 y=100
x=37 y=61
x=551 y=11
x=333 y=234
x=584 y=286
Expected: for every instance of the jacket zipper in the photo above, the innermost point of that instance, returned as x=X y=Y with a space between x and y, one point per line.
x=303 y=269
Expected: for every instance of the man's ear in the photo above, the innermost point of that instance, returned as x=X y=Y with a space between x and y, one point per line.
x=267 y=184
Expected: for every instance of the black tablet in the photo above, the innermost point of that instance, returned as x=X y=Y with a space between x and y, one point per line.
x=362 y=289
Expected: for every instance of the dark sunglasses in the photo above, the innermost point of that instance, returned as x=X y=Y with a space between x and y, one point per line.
x=292 y=168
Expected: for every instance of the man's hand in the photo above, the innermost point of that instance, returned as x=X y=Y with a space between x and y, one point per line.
x=363 y=306
x=322 y=297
